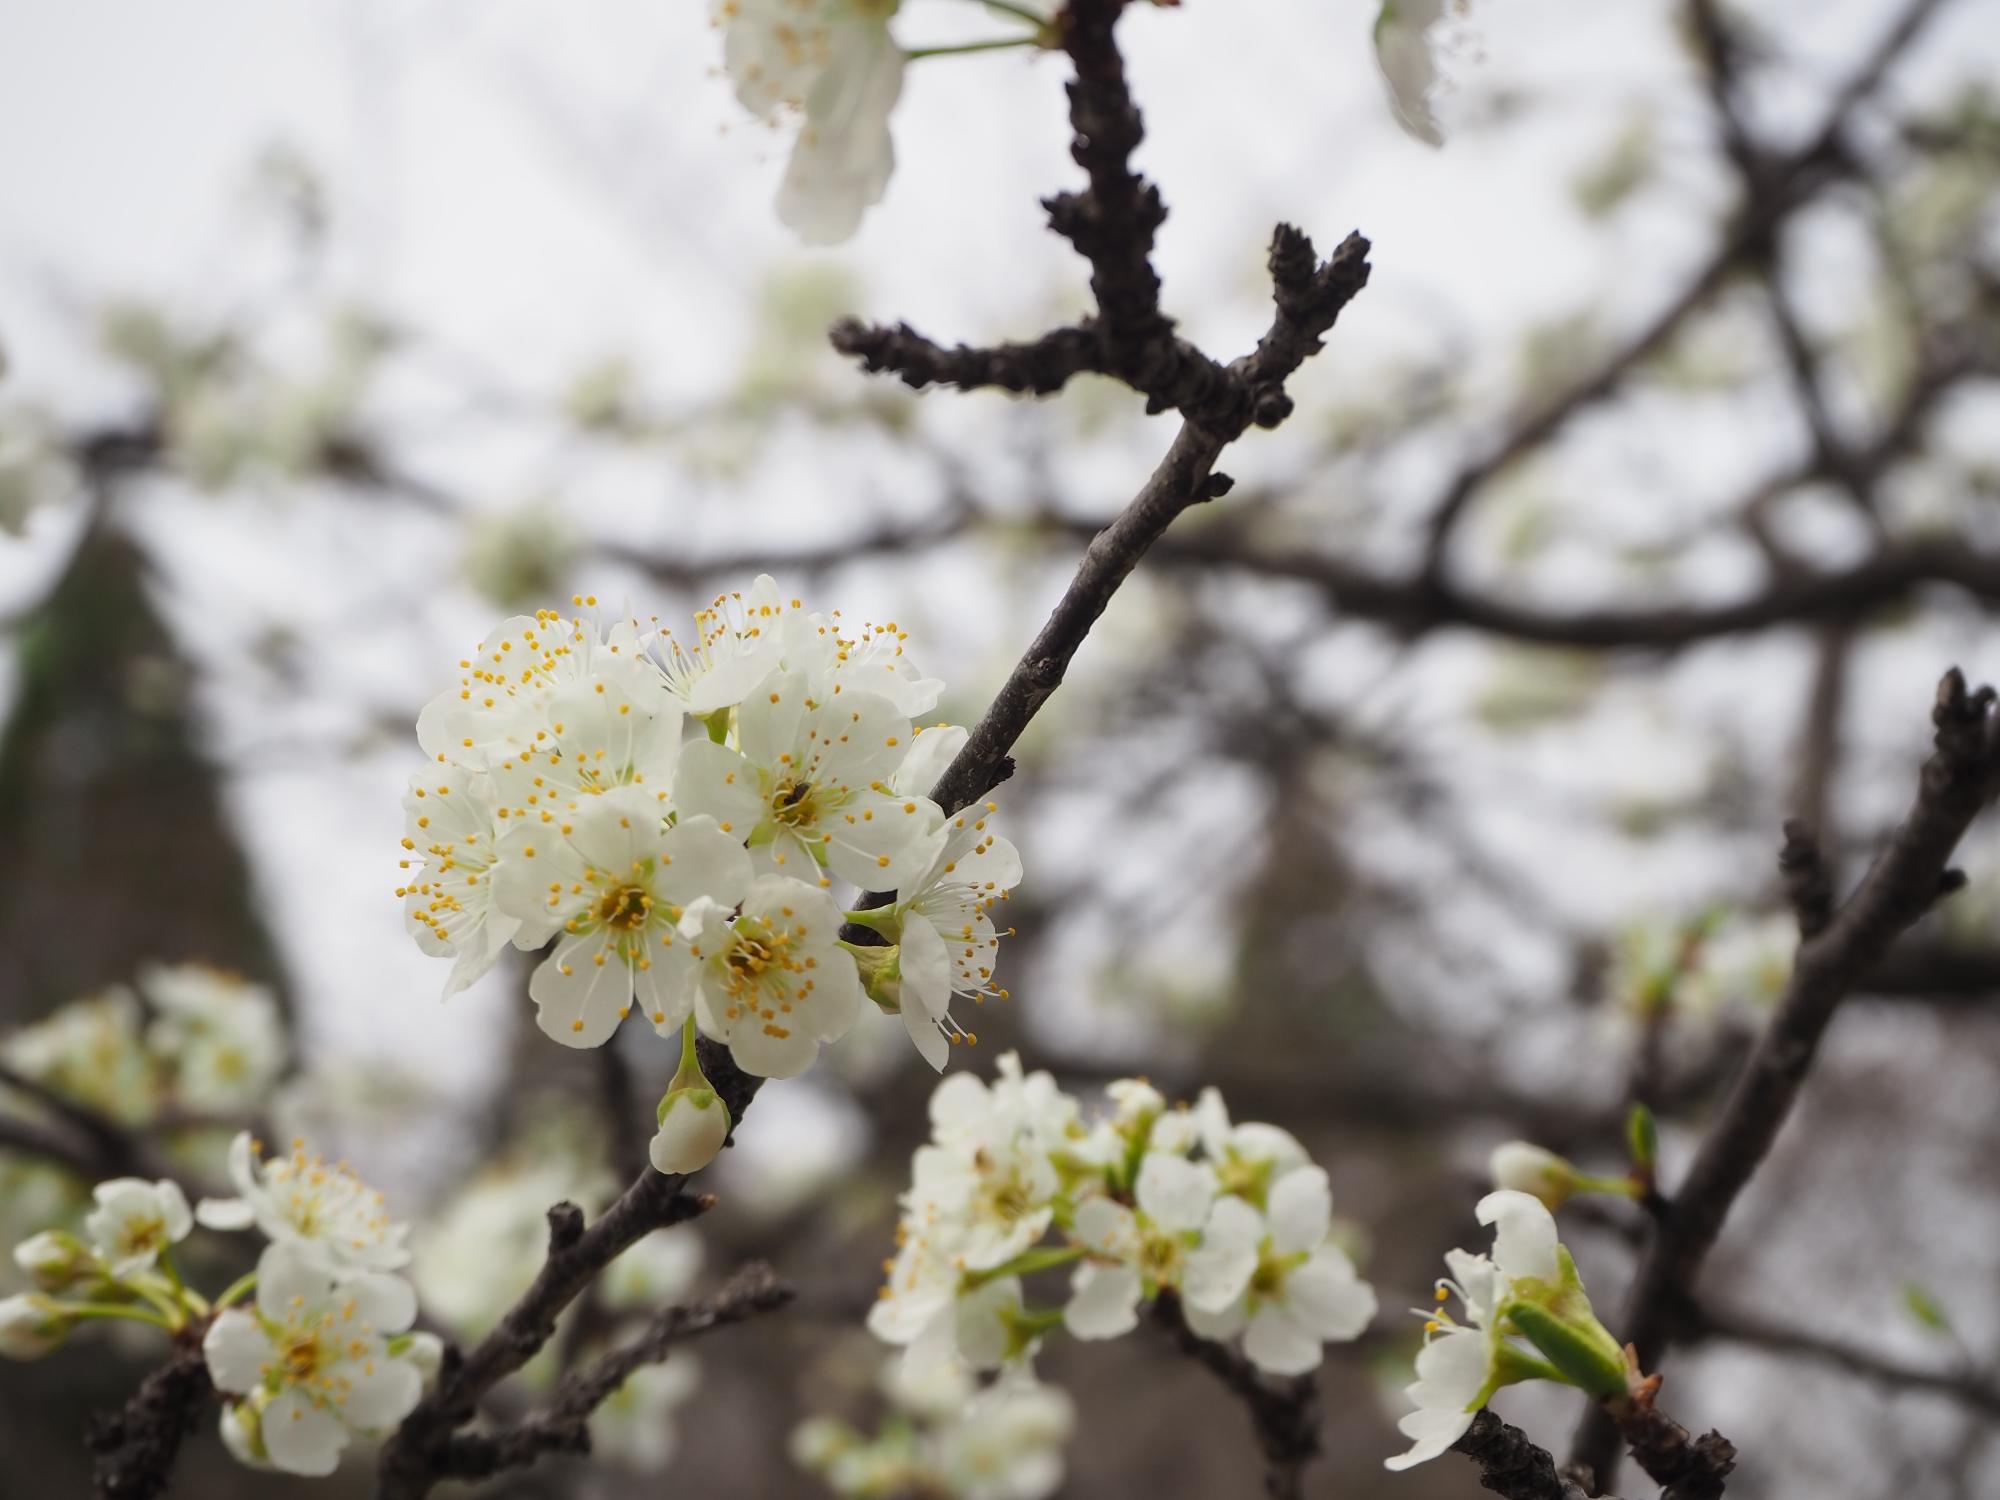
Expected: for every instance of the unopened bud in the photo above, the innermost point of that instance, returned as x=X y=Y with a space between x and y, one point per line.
x=31 y=1325
x=55 y=1261
x=1528 y=1168
x=694 y=1123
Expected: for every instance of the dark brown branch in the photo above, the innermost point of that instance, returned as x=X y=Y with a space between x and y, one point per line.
x=1903 y=884
x=1687 y=1467
x=1112 y=223
x=133 y=1450
x=563 y=1425
x=1284 y=1413
x=419 y=1454
x=1511 y=1464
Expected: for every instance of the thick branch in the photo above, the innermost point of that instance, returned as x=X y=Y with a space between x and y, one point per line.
x=1903 y=884
x=1510 y=1463
x=1285 y=1413
x=133 y=1450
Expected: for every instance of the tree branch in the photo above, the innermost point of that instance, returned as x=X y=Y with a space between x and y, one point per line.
x=133 y=1450
x=1284 y=1413
x=1903 y=884
x=1510 y=1463
x=563 y=1425
x=420 y=1452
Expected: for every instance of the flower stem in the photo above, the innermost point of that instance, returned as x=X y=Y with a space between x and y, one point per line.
x=999 y=44
x=115 y=1310
x=1027 y=1263
x=238 y=1289
x=1011 y=8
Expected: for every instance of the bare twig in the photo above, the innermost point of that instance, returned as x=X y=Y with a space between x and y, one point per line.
x=563 y=1425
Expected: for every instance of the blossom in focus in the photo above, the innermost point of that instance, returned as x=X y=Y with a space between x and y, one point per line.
x=222 y=1033
x=809 y=786
x=326 y=1213
x=316 y=1357
x=1528 y=1290
x=611 y=883
x=947 y=943
x=835 y=63
x=135 y=1221
x=773 y=982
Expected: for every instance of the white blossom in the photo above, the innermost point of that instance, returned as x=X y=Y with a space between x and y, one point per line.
x=773 y=983
x=452 y=841
x=326 y=1213
x=809 y=787
x=93 y=1051
x=836 y=63
x=55 y=1261
x=611 y=883
x=1247 y=1158
x=1135 y=1252
x=316 y=1354
x=135 y=1221
x=737 y=641
x=222 y=1033
x=1277 y=1278
x=945 y=933
x=1409 y=37
x=1461 y=1363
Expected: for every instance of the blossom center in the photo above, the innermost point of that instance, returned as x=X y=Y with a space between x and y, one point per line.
x=625 y=907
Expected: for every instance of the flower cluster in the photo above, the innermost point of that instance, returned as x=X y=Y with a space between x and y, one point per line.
x=323 y=1351
x=946 y=1439
x=192 y=1039
x=1231 y=1219
x=670 y=814
x=1526 y=1318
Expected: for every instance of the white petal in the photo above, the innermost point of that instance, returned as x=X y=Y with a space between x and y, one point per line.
x=1221 y=1266
x=1175 y=1193
x=289 y=1278
x=301 y=1438
x=236 y=1351
x=1301 y=1210
x=926 y=967
x=715 y=781
x=386 y=1303
x=1434 y=1432
x=224 y=1214
x=1219 y=1326
x=1103 y=1303
x=1327 y=1297
x=925 y=1036
x=1279 y=1344
x=581 y=1008
x=1524 y=1240
x=382 y=1397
